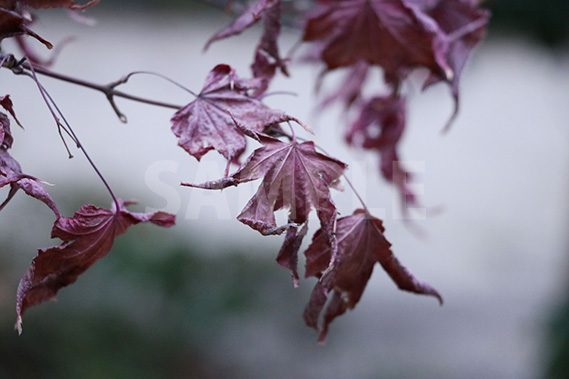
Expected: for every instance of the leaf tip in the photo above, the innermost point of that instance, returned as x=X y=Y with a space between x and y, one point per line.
x=18 y=325
x=439 y=298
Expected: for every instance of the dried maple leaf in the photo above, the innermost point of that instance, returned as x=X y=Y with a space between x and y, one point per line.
x=350 y=91
x=7 y=104
x=288 y=254
x=267 y=56
x=295 y=177
x=6 y=138
x=465 y=27
x=361 y=244
x=11 y=172
x=15 y=18
x=379 y=127
x=390 y=33
x=209 y=122
x=87 y=237
x=250 y=17
x=14 y=24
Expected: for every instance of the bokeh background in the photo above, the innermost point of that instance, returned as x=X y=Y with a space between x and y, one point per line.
x=205 y=299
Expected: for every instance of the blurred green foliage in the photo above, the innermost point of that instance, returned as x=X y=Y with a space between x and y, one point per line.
x=153 y=308
x=546 y=21
x=558 y=344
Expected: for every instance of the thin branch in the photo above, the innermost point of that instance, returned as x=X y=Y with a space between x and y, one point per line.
x=108 y=90
x=51 y=105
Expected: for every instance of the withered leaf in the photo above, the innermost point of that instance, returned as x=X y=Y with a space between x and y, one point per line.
x=267 y=56
x=209 y=122
x=390 y=33
x=87 y=237
x=11 y=172
x=361 y=244
x=464 y=26
x=7 y=104
x=14 y=24
x=379 y=126
x=295 y=177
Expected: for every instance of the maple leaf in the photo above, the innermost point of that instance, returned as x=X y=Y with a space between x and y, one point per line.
x=11 y=172
x=87 y=237
x=360 y=245
x=250 y=17
x=379 y=127
x=288 y=254
x=465 y=27
x=390 y=33
x=15 y=18
x=295 y=177
x=14 y=24
x=6 y=138
x=267 y=56
x=7 y=104
x=350 y=91
x=209 y=122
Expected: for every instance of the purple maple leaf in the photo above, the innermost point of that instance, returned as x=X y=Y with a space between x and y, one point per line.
x=267 y=56
x=87 y=237
x=11 y=172
x=209 y=122
x=379 y=127
x=392 y=34
x=295 y=177
x=464 y=26
x=360 y=245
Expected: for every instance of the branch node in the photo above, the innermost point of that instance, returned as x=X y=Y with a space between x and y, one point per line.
x=109 y=92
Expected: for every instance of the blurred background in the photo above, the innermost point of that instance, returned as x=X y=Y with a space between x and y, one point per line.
x=205 y=299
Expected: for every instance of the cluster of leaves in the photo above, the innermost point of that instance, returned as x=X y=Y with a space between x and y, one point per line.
x=395 y=36
x=90 y=233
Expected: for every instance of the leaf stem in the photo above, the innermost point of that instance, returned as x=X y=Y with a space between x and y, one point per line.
x=124 y=79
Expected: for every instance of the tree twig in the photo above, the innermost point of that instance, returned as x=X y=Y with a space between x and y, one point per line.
x=108 y=90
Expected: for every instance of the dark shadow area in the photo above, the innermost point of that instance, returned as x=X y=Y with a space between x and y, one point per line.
x=148 y=311
x=545 y=21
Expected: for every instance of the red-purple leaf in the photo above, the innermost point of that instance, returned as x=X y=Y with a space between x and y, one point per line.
x=392 y=34
x=465 y=27
x=7 y=104
x=13 y=24
x=6 y=138
x=288 y=254
x=267 y=56
x=250 y=17
x=361 y=244
x=295 y=177
x=208 y=122
x=351 y=88
x=15 y=18
x=87 y=237
x=379 y=127
x=11 y=172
